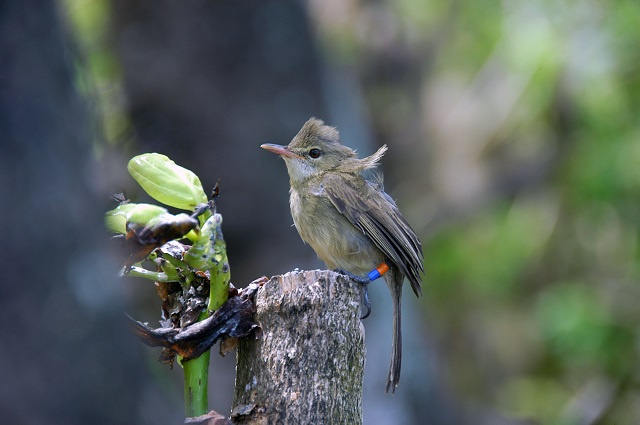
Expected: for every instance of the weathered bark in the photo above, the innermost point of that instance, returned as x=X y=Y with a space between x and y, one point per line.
x=306 y=364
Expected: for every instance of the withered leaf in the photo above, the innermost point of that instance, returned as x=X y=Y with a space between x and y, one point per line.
x=233 y=319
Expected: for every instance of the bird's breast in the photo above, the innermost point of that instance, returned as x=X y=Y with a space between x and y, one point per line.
x=335 y=240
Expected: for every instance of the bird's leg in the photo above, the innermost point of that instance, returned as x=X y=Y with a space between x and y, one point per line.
x=365 y=281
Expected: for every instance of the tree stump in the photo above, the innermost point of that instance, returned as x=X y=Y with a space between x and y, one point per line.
x=306 y=363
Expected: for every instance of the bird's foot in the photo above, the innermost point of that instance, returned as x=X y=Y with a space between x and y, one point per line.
x=364 y=281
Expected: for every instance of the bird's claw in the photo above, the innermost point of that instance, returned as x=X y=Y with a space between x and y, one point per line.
x=364 y=281
x=365 y=301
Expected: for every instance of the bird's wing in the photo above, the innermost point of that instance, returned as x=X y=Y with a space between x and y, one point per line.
x=377 y=216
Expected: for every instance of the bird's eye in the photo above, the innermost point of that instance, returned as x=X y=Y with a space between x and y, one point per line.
x=315 y=153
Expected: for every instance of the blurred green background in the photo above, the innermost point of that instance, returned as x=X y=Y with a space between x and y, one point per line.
x=514 y=151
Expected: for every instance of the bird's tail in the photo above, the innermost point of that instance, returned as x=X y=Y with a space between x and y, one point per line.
x=395 y=287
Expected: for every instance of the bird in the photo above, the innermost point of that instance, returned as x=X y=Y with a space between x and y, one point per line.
x=350 y=222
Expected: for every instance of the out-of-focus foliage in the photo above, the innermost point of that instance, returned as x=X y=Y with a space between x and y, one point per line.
x=521 y=123
x=100 y=73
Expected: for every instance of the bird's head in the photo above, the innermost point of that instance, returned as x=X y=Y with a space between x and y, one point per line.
x=316 y=149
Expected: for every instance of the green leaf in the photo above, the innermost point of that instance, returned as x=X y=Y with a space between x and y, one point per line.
x=167 y=182
x=116 y=220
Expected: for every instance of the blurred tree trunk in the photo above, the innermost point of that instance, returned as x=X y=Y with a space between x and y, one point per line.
x=70 y=359
x=306 y=365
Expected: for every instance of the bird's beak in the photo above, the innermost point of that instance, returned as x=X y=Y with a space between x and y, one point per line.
x=280 y=150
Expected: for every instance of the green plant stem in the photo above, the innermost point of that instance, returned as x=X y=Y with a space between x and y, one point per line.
x=220 y=275
x=196 y=377
x=147 y=274
x=196 y=371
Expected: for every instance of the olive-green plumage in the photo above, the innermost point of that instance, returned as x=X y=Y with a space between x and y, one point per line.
x=350 y=222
